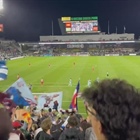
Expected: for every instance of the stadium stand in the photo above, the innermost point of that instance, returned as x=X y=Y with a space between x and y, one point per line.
x=100 y=37
x=9 y=49
x=32 y=123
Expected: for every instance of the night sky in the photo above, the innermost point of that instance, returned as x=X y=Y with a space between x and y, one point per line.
x=26 y=20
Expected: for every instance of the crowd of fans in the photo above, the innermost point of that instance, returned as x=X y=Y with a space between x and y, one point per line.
x=8 y=51
x=113 y=113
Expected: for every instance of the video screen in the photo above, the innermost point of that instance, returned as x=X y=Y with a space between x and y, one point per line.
x=84 y=26
x=75 y=25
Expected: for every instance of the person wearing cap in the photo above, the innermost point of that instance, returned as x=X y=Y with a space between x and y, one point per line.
x=16 y=132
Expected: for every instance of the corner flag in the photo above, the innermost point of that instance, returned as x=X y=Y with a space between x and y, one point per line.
x=3 y=70
x=74 y=104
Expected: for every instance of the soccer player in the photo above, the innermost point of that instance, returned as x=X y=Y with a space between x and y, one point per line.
x=42 y=81
x=89 y=83
x=70 y=82
x=97 y=80
x=92 y=68
x=107 y=74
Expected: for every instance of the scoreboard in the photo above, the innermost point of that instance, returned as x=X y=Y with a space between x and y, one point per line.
x=80 y=24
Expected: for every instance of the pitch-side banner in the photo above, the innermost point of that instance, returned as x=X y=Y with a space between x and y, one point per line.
x=20 y=93
x=49 y=99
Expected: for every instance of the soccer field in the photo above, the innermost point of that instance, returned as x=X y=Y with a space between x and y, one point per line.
x=56 y=72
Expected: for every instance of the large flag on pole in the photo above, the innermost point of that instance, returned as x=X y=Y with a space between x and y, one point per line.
x=3 y=70
x=20 y=94
x=74 y=104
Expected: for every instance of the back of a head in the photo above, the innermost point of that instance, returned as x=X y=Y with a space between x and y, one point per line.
x=117 y=105
x=50 y=110
x=21 y=106
x=73 y=121
x=79 y=116
x=46 y=124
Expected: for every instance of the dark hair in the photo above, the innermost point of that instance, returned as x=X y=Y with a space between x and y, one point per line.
x=5 y=124
x=50 y=110
x=73 y=121
x=21 y=106
x=79 y=116
x=84 y=125
x=117 y=104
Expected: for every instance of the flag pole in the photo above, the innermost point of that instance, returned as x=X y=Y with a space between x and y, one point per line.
x=124 y=29
x=52 y=28
x=108 y=28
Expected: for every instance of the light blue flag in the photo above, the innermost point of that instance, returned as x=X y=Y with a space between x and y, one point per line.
x=3 y=70
x=49 y=99
x=20 y=93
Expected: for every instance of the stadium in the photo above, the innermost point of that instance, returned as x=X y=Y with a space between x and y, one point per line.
x=82 y=53
x=76 y=54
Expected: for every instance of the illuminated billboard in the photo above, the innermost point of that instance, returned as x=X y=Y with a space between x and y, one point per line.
x=80 y=24
x=1 y=27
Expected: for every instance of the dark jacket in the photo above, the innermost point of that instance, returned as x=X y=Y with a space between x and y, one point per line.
x=72 y=133
x=43 y=136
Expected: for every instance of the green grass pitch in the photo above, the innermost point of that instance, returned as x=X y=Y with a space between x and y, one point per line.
x=56 y=72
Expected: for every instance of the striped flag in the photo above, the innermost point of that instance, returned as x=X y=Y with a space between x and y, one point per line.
x=3 y=70
x=74 y=104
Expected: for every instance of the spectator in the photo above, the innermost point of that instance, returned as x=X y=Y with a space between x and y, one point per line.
x=5 y=124
x=72 y=132
x=35 y=130
x=16 y=134
x=22 y=114
x=89 y=134
x=46 y=125
x=55 y=106
x=113 y=109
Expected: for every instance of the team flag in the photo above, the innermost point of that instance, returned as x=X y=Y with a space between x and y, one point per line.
x=74 y=104
x=49 y=100
x=20 y=94
x=3 y=70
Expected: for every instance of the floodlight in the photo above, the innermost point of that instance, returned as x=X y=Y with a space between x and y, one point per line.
x=1 y=4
